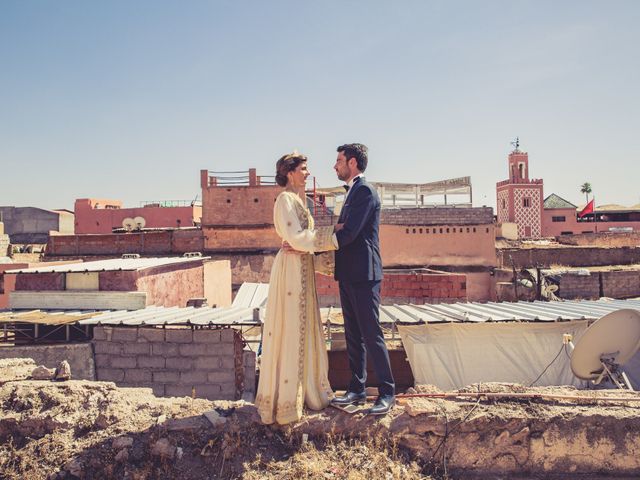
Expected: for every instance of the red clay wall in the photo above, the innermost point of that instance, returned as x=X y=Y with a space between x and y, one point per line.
x=418 y=288
x=172 y=285
x=571 y=224
x=243 y=205
x=116 y=281
x=101 y=220
x=240 y=239
x=40 y=281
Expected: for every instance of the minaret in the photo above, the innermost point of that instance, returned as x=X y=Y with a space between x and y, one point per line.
x=520 y=199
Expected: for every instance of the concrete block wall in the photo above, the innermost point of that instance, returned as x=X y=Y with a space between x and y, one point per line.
x=418 y=288
x=614 y=284
x=621 y=283
x=173 y=361
x=437 y=216
x=573 y=286
x=78 y=355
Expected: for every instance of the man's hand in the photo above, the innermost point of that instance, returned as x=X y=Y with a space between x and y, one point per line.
x=289 y=249
x=337 y=227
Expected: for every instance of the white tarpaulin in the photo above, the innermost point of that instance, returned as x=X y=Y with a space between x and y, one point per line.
x=454 y=355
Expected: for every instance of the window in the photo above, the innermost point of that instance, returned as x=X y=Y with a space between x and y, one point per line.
x=526 y=202
x=558 y=219
x=566 y=233
x=504 y=203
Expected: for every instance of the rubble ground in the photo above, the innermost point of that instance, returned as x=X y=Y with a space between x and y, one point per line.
x=96 y=430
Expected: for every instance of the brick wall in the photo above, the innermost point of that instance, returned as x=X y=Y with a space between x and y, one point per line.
x=437 y=216
x=573 y=286
x=418 y=288
x=231 y=239
x=174 y=361
x=604 y=239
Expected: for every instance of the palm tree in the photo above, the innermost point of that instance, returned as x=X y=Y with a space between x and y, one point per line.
x=586 y=189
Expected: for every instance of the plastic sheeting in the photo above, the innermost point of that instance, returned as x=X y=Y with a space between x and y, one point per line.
x=454 y=355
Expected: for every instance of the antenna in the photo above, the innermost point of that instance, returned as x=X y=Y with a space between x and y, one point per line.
x=516 y=145
x=128 y=224
x=139 y=222
x=605 y=347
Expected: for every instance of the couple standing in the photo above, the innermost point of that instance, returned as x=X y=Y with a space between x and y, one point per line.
x=294 y=364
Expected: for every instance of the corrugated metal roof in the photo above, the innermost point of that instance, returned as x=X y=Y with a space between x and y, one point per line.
x=110 y=265
x=243 y=313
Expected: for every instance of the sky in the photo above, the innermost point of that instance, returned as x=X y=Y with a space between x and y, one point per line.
x=129 y=100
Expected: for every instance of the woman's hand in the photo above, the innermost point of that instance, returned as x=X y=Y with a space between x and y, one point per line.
x=337 y=227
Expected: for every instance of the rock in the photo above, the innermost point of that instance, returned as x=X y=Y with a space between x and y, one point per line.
x=122 y=456
x=179 y=453
x=101 y=422
x=75 y=468
x=121 y=442
x=42 y=373
x=63 y=372
x=215 y=418
x=163 y=448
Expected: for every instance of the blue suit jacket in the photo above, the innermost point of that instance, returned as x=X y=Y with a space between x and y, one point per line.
x=358 y=256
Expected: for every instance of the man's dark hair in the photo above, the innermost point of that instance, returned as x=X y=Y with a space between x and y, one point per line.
x=357 y=151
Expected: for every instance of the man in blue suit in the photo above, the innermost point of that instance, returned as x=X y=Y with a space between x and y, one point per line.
x=359 y=273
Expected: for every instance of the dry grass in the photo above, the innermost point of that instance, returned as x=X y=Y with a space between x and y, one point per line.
x=339 y=459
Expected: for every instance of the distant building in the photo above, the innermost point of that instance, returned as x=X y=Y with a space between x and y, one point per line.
x=121 y=283
x=30 y=225
x=93 y=215
x=560 y=217
x=520 y=199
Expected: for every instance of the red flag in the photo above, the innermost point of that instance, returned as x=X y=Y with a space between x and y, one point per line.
x=587 y=209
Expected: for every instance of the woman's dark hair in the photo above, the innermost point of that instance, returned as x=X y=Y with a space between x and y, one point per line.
x=287 y=163
x=357 y=151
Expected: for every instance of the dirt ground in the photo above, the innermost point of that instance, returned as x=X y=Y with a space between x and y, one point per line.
x=95 y=430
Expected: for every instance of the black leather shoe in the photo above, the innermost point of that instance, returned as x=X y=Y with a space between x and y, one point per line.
x=350 y=398
x=383 y=404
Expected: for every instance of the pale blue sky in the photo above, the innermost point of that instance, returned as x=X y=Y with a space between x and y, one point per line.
x=130 y=99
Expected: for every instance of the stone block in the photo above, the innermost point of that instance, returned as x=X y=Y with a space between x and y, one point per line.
x=177 y=390
x=179 y=363
x=182 y=335
x=228 y=391
x=166 y=377
x=198 y=349
x=249 y=359
x=209 y=391
x=193 y=377
x=165 y=349
x=151 y=335
x=101 y=332
x=206 y=363
x=137 y=375
x=124 y=334
x=136 y=349
x=124 y=362
x=110 y=375
x=226 y=363
x=206 y=336
x=222 y=376
x=151 y=362
x=102 y=360
x=228 y=335
x=107 y=347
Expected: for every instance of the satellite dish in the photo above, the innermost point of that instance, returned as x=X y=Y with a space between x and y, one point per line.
x=139 y=222
x=128 y=224
x=552 y=288
x=606 y=346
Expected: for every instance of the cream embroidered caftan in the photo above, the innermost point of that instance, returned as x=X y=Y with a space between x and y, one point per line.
x=294 y=364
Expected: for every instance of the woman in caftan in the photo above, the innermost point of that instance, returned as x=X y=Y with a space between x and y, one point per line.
x=294 y=364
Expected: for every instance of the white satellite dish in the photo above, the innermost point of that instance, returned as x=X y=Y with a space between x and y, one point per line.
x=128 y=224
x=606 y=346
x=139 y=222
